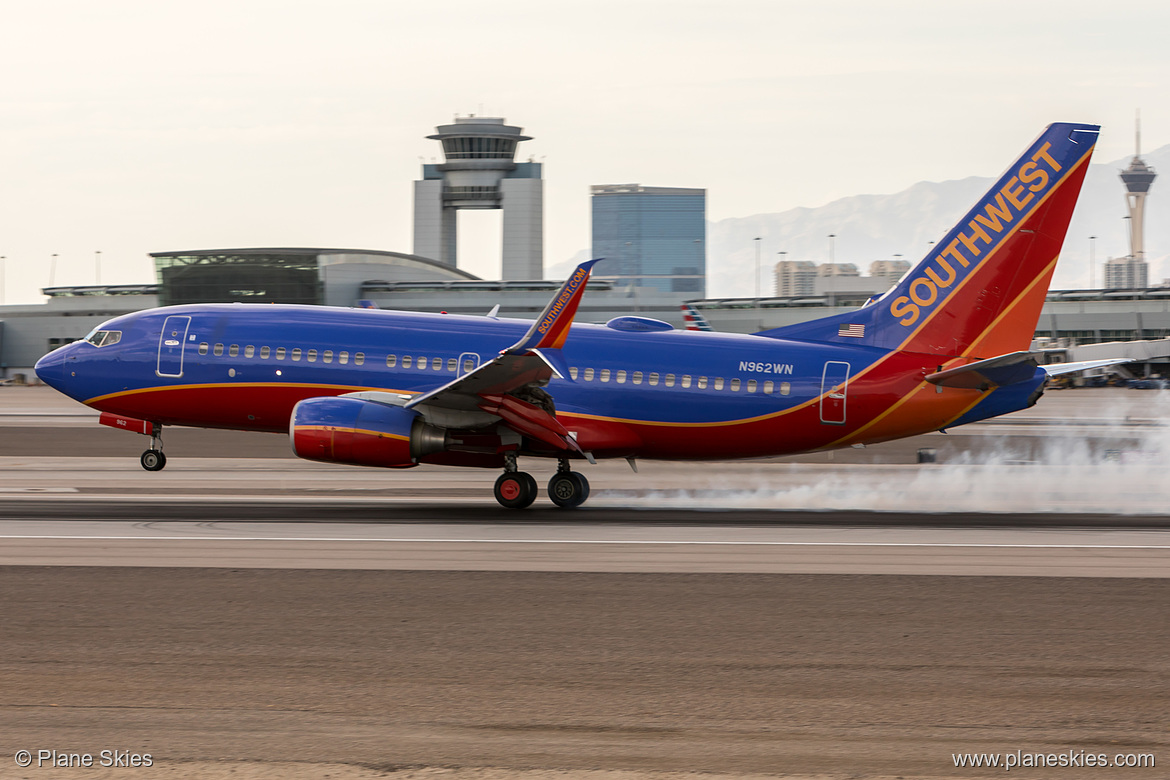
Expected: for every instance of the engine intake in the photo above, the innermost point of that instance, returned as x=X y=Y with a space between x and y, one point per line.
x=362 y=433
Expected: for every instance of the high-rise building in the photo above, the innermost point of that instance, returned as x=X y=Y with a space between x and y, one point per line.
x=1137 y=179
x=479 y=172
x=890 y=270
x=652 y=236
x=837 y=269
x=795 y=277
x=1126 y=273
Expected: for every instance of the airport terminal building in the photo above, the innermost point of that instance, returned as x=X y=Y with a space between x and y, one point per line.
x=328 y=277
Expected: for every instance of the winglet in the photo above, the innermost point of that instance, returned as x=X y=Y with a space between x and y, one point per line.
x=551 y=329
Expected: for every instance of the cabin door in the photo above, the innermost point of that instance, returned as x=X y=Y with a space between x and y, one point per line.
x=171 y=343
x=834 y=390
x=468 y=362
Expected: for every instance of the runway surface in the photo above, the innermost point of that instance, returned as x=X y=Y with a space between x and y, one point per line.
x=949 y=546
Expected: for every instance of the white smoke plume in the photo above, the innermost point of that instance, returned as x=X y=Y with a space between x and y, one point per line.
x=1118 y=462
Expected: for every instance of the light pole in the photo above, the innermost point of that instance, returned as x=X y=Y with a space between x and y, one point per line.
x=52 y=269
x=1092 y=259
x=757 y=240
x=97 y=267
x=3 y=265
x=700 y=263
x=776 y=282
x=832 y=269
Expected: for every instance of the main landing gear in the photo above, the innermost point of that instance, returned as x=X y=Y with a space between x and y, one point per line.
x=517 y=489
x=154 y=459
x=567 y=488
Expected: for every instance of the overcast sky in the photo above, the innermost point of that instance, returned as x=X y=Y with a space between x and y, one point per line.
x=130 y=127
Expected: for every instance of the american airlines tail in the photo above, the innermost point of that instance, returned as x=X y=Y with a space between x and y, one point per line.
x=979 y=292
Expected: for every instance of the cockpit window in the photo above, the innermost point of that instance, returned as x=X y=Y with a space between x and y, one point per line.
x=104 y=338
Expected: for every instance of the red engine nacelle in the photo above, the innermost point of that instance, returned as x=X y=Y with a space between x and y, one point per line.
x=362 y=433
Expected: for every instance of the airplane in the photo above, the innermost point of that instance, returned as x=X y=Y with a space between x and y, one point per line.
x=947 y=346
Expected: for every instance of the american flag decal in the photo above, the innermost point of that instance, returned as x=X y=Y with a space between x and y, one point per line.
x=856 y=331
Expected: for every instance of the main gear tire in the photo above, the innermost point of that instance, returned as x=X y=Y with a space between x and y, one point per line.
x=568 y=489
x=516 y=489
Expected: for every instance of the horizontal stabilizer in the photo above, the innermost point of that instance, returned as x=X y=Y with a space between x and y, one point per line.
x=985 y=374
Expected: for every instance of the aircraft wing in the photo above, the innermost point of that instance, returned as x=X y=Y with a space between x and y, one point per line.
x=534 y=359
x=1056 y=369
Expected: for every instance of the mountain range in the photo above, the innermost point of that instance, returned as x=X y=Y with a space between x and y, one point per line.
x=878 y=227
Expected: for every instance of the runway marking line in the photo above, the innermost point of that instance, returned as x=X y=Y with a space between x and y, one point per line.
x=587 y=541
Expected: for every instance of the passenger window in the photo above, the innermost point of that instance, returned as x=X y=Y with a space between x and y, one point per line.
x=437 y=364
x=391 y=360
x=686 y=380
x=702 y=383
x=769 y=386
x=343 y=357
x=573 y=372
x=234 y=350
x=296 y=354
x=311 y=356
x=203 y=348
x=621 y=377
x=785 y=388
x=249 y=351
x=751 y=386
x=451 y=363
x=280 y=351
x=218 y=350
x=637 y=377
x=718 y=383
x=653 y=379
x=421 y=362
x=605 y=375
x=735 y=385
x=359 y=358
x=407 y=361
x=669 y=380
x=327 y=356
x=265 y=352
x=589 y=375
x=469 y=366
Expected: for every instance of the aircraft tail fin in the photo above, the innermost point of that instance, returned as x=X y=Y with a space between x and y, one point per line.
x=693 y=319
x=979 y=291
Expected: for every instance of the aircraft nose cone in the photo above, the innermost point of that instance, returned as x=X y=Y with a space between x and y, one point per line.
x=51 y=368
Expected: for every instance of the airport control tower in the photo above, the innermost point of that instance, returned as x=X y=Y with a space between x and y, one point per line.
x=1137 y=178
x=479 y=172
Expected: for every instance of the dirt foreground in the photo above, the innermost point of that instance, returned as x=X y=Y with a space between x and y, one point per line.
x=219 y=673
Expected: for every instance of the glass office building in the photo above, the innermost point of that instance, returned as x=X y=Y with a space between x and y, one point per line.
x=651 y=236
